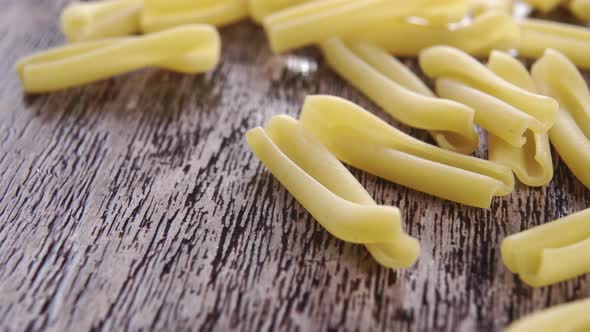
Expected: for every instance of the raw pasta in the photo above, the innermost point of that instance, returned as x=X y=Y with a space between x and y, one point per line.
x=482 y=6
x=364 y=141
x=538 y=35
x=260 y=9
x=188 y=49
x=218 y=13
x=450 y=63
x=532 y=163
x=488 y=31
x=382 y=77
x=570 y=317
x=82 y=21
x=317 y=21
x=552 y=252
x=558 y=77
x=581 y=8
x=330 y=193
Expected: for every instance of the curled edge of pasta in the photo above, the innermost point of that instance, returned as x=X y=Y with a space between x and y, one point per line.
x=364 y=141
x=538 y=35
x=449 y=62
x=580 y=8
x=259 y=9
x=188 y=49
x=217 y=13
x=491 y=30
x=550 y=253
x=316 y=21
x=330 y=193
x=82 y=21
x=532 y=163
x=558 y=77
x=568 y=317
x=382 y=77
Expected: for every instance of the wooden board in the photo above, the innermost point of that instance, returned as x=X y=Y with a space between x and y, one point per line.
x=135 y=203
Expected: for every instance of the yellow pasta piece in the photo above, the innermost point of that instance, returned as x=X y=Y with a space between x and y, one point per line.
x=532 y=163
x=581 y=8
x=260 y=9
x=569 y=317
x=330 y=193
x=538 y=35
x=550 y=253
x=316 y=21
x=376 y=73
x=82 y=21
x=544 y=5
x=448 y=62
x=482 y=6
x=362 y=140
x=486 y=32
x=188 y=49
x=218 y=13
x=558 y=77
x=447 y=12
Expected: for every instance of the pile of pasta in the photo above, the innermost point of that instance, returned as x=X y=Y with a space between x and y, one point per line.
x=523 y=111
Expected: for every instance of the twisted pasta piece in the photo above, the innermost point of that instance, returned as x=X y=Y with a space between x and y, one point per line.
x=364 y=141
x=188 y=49
x=538 y=35
x=330 y=192
x=532 y=163
x=260 y=9
x=316 y=21
x=467 y=81
x=488 y=31
x=558 y=77
x=381 y=77
x=552 y=252
x=82 y=21
x=569 y=317
x=581 y=8
x=482 y=6
x=161 y=14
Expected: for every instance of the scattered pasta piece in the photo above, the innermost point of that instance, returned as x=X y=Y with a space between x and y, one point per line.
x=544 y=5
x=486 y=32
x=215 y=12
x=550 y=253
x=581 y=8
x=483 y=6
x=477 y=80
x=558 y=77
x=381 y=77
x=364 y=141
x=532 y=163
x=538 y=35
x=330 y=192
x=316 y=21
x=259 y=9
x=448 y=12
x=188 y=49
x=82 y=21
x=569 y=317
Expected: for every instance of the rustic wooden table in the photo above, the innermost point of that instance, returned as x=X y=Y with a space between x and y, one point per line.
x=135 y=203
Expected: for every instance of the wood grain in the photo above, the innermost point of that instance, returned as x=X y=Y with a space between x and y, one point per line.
x=135 y=204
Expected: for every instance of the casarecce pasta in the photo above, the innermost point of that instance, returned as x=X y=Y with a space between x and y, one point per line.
x=558 y=77
x=330 y=192
x=482 y=6
x=163 y=14
x=532 y=163
x=581 y=8
x=538 y=35
x=488 y=31
x=260 y=9
x=402 y=94
x=364 y=141
x=569 y=317
x=187 y=49
x=550 y=253
x=82 y=21
x=316 y=21
x=504 y=109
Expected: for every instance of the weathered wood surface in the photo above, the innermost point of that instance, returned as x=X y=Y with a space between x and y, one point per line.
x=135 y=204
